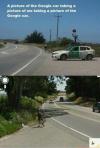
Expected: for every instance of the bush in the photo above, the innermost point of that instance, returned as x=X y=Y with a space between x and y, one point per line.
x=15 y=121
x=71 y=97
x=27 y=116
x=2 y=130
x=65 y=41
x=1 y=45
x=16 y=118
x=12 y=121
x=4 y=105
x=26 y=103
x=35 y=37
x=79 y=100
x=7 y=127
x=39 y=99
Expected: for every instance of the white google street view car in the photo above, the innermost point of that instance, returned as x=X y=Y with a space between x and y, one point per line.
x=75 y=52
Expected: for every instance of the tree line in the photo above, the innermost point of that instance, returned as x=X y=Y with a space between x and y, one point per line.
x=27 y=86
x=85 y=86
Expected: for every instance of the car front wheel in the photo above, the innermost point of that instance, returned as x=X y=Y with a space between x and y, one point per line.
x=63 y=57
x=89 y=57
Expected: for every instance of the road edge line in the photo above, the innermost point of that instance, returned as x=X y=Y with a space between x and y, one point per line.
x=71 y=128
x=23 y=67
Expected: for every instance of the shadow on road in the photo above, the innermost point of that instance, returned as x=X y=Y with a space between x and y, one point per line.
x=54 y=112
x=49 y=113
x=74 y=60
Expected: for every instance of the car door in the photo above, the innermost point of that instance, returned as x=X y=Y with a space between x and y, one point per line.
x=74 y=53
x=83 y=52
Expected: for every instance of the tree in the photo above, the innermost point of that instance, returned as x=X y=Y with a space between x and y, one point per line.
x=27 y=86
x=65 y=41
x=14 y=91
x=35 y=37
x=87 y=87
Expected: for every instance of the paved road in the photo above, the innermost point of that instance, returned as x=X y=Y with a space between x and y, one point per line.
x=85 y=112
x=30 y=60
x=61 y=130
x=14 y=58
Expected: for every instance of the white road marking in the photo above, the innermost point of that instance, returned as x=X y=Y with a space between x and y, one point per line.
x=27 y=64
x=84 y=117
x=77 y=114
x=71 y=128
x=13 y=49
x=4 y=52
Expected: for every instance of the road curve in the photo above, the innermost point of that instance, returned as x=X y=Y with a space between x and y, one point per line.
x=15 y=58
x=30 y=60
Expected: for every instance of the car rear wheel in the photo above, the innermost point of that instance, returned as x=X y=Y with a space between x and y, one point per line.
x=63 y=57
x=89 y=57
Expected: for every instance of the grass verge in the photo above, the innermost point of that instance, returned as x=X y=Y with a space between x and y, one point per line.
x=15 y=122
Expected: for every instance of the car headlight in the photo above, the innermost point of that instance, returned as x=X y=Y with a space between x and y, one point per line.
x=54 y=53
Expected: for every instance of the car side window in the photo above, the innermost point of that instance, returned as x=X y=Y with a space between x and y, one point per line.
x=83 y=48
x=75 y=49
x=87 y=48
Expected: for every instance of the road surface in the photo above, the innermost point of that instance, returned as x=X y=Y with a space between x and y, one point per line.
x=30 y=60
x=61 y=130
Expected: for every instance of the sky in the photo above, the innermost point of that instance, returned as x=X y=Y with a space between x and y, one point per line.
x=60 y=82
x=86 y=21
x=61 y=86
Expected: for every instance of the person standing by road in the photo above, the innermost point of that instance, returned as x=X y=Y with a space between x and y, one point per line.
x=41 y=117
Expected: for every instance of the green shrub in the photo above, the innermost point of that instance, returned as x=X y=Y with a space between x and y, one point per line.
x=3 y=103
x=39 y=99
x=7 y=127
x=65 y=41
x=26 y=116
x=79 y=100
x=26 y=103
x=16 y=118
x=71 y=97
x=12 y=121
x=1 y=45
x=30 y=104
x=2 y=130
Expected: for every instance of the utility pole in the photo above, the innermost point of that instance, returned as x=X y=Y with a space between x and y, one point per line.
x=58 y=19
x=50 y=34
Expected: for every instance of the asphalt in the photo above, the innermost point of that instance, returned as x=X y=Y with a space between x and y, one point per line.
x=14 y=58
x=85 y=112
x=30 y=60
x=61 y=130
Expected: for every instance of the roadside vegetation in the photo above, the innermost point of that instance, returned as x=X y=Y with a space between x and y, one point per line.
x=1 y=45
x=35 y=37
x=65 y=42
x=39 y=40
x=24 y=96
x=59 y=45
x=83 y=90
